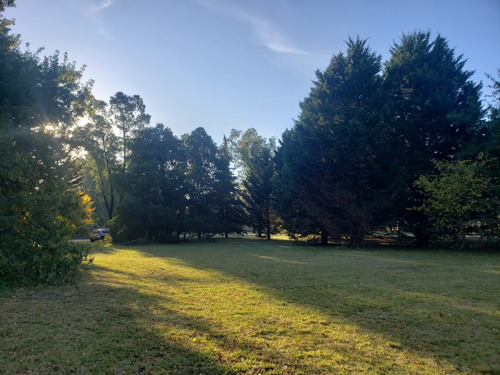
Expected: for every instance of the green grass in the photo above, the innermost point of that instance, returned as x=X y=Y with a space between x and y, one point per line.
x=258 y=307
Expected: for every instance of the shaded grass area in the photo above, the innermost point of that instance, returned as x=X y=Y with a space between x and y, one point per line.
x=251 y=306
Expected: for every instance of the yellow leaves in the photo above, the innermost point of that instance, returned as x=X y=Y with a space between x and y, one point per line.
x=87 y=209
x=24 y=219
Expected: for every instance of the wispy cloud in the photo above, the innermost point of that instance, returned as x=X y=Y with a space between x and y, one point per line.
x=93 y=10
x=270 y=36
x=103 y=4
x=266 y=33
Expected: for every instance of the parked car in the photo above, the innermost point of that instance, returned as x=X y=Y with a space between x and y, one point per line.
x=98 y=234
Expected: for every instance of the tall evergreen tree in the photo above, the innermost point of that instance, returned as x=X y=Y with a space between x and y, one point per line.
x=203 y=175
x=492 y=143
x=230 y=208
x=254 y=161
x=330 y=176
x=155 y=195
x=433 y=108
x=257 y=189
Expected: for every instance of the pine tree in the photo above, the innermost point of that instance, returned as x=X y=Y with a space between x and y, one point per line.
x=433 y=109
x=330 y=177
x=155 y=202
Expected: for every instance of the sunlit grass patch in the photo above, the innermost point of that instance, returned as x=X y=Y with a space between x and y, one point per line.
x=249 y=307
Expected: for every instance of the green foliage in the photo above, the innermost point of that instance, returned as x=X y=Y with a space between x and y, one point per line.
x=174 y=186
x=492 y=141
x=372 y=146
x=254 y=161
x=127 y=114
x=363 y=138
x=6 y=3
x=106 y=138
x=458 y=198
x=329 y=176
x=433 y=113
x=154 y=186
x=98 y=139
x=38 y=213
x=464 y=196
x=40 y=208
x=230 y=211
x=211 y=189
x=257 y=192
x=46 y=262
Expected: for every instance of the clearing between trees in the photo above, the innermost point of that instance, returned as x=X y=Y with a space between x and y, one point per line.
x=242 y=306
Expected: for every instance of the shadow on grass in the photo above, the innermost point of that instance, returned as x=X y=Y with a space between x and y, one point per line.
x=441 y=306
x=437 y=305
x=96 y=328
x=178 y=342
x=109 y=324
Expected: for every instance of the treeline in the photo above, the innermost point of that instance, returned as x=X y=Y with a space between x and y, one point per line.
x=403 y=144
x=152 y=185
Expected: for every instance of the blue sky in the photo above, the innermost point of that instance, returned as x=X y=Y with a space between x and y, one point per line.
x=225 y=64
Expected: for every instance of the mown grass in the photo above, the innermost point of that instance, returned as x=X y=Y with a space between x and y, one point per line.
x=258 y=307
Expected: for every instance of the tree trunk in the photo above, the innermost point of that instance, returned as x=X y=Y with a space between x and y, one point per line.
x=268 y=222
x=421 y=229
x=422 y=238
x=109 y=204
x=324 y=238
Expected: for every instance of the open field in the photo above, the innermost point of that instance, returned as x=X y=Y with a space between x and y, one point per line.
x=257 y=307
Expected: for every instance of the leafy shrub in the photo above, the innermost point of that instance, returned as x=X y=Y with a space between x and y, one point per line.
x=50 y=263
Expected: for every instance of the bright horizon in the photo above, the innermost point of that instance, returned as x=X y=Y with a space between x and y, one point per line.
x=224 y=64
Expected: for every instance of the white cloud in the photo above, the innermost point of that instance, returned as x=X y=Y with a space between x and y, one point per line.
x=100 y=6
x=270 y=36
x=266 y=33
x=93 y=11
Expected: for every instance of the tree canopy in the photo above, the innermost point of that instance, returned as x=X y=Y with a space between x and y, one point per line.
x=40 y=203
x=330 y=164
x=365 y=135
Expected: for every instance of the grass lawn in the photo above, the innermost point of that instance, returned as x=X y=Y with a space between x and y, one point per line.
x=257 y=307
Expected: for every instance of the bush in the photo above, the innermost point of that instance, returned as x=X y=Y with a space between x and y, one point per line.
x=50 y=263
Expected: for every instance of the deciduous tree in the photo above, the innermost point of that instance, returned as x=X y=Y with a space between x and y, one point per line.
x=99 y=140
x=127 y=114
x=458 y=196
x=40 y=207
